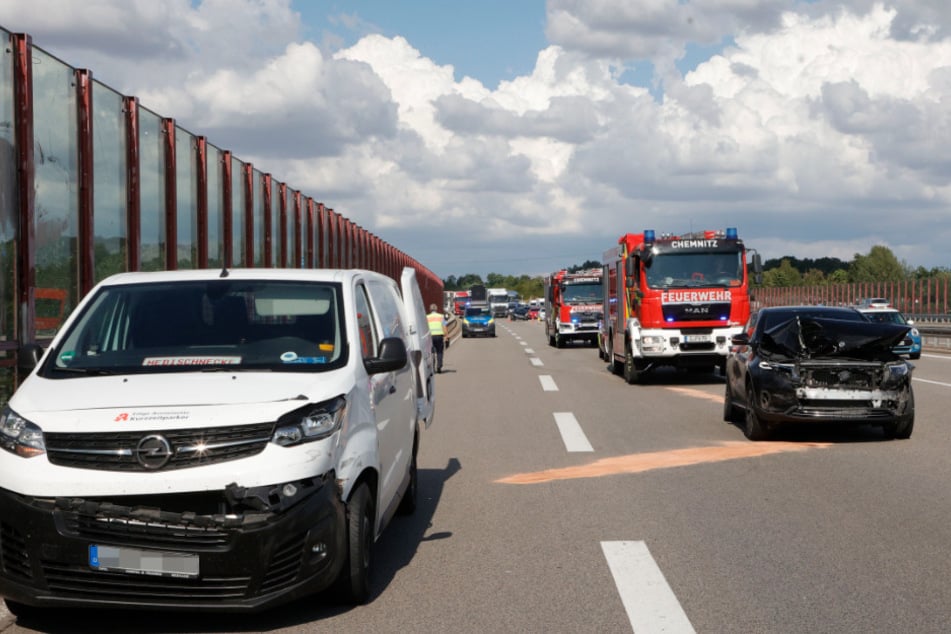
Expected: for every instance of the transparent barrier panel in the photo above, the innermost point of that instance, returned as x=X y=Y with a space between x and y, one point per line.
x=152 y=193
x=110 y=188
x=8 y=195
x=186 y=189
x=214 y=169
x=56 y=184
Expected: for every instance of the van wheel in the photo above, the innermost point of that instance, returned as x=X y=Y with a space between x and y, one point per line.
x=411 y=495
x=353 y=584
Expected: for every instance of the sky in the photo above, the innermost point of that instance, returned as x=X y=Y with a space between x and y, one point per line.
x=523 y=137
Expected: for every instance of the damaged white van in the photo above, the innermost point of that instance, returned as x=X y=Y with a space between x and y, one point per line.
x=214 y=440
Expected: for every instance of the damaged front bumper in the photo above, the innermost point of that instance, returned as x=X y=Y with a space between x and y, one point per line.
x=233 y=550
x=854 y=392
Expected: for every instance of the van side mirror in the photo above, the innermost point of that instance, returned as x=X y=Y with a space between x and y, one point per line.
x=28 y=357
x=391 y=357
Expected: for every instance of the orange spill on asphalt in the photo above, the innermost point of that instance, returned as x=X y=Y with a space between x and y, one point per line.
x=637 y=463
x=686 y=391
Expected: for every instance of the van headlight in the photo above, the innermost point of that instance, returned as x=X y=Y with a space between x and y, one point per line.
x=20 y=436
x=309 y=423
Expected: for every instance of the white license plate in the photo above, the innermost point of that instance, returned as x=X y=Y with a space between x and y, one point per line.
x=698 y=338
x=143 y=562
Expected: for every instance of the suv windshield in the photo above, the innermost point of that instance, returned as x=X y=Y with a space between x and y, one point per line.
x=205 y=325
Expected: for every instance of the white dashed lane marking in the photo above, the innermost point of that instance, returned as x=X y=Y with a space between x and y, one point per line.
x=536 y=362
x=571 y=432
x=650 y=603
x=548 y=383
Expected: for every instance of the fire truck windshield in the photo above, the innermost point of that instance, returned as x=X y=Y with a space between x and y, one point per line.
x=670 y=270
x=589 y=293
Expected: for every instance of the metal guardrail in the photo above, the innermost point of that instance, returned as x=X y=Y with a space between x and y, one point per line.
x=935 y=339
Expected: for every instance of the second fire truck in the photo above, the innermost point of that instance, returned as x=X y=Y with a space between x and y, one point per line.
x=573 y=306
x=674 y=300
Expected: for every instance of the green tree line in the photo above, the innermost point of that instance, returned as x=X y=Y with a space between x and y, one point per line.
x=878 y=265
x=527 y=286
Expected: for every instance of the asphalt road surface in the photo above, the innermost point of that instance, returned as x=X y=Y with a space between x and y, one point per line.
x=556 y=498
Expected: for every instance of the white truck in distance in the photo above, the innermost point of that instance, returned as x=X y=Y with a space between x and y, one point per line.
x=214 y=440
x=498 y=299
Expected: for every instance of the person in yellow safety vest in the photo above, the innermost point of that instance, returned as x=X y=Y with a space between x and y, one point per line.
x=437 y=328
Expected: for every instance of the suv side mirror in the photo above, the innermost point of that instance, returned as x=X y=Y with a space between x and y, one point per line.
x=740 y=339
x=391 y=357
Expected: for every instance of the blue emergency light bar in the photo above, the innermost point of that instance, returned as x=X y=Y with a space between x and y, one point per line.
x=731 y=233
x=649 y=235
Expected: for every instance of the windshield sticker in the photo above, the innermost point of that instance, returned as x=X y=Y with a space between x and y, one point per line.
x=325 y=347
x=289 y=357
x=159 y=361
x=67 y=356
x=309 y=360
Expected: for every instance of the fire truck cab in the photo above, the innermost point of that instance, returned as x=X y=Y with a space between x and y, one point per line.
x=573 y=304
x=674 y=300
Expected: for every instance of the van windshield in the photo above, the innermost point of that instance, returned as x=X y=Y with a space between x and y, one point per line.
x=205 y=325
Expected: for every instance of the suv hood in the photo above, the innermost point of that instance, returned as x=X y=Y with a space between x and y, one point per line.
x=811 y=337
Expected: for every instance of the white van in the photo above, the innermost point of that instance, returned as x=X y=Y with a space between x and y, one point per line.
x=215 y=440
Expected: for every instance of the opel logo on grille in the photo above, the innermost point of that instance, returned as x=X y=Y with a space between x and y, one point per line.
x=153 y=452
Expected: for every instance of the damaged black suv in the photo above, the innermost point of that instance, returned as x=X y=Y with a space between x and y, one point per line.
x=817 y=364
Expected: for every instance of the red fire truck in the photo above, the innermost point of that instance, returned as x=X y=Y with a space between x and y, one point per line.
x=674 y=300
x=460 y=301
x=573 y=306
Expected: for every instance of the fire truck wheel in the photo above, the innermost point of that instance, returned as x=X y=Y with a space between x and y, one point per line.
x=616 y=367
x=559 y=341
x=632 y=374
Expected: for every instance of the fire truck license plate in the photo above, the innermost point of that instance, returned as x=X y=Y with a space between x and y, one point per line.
x=698 y=338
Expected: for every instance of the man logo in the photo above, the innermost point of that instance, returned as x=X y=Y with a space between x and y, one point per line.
x=153 y=452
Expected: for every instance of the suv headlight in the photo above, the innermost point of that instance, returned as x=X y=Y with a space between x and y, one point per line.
x=310 y=423
x=20 y=436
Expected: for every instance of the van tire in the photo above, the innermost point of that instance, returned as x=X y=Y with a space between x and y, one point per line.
x=411 y=496
x=353 y=584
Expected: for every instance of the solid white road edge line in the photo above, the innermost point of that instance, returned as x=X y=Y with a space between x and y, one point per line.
x=548 y=383
x=932 y=382
x=650 y=603
x=571 y=432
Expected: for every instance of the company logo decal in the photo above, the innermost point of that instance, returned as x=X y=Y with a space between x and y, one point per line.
x=162 y=417
x=153 y=452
